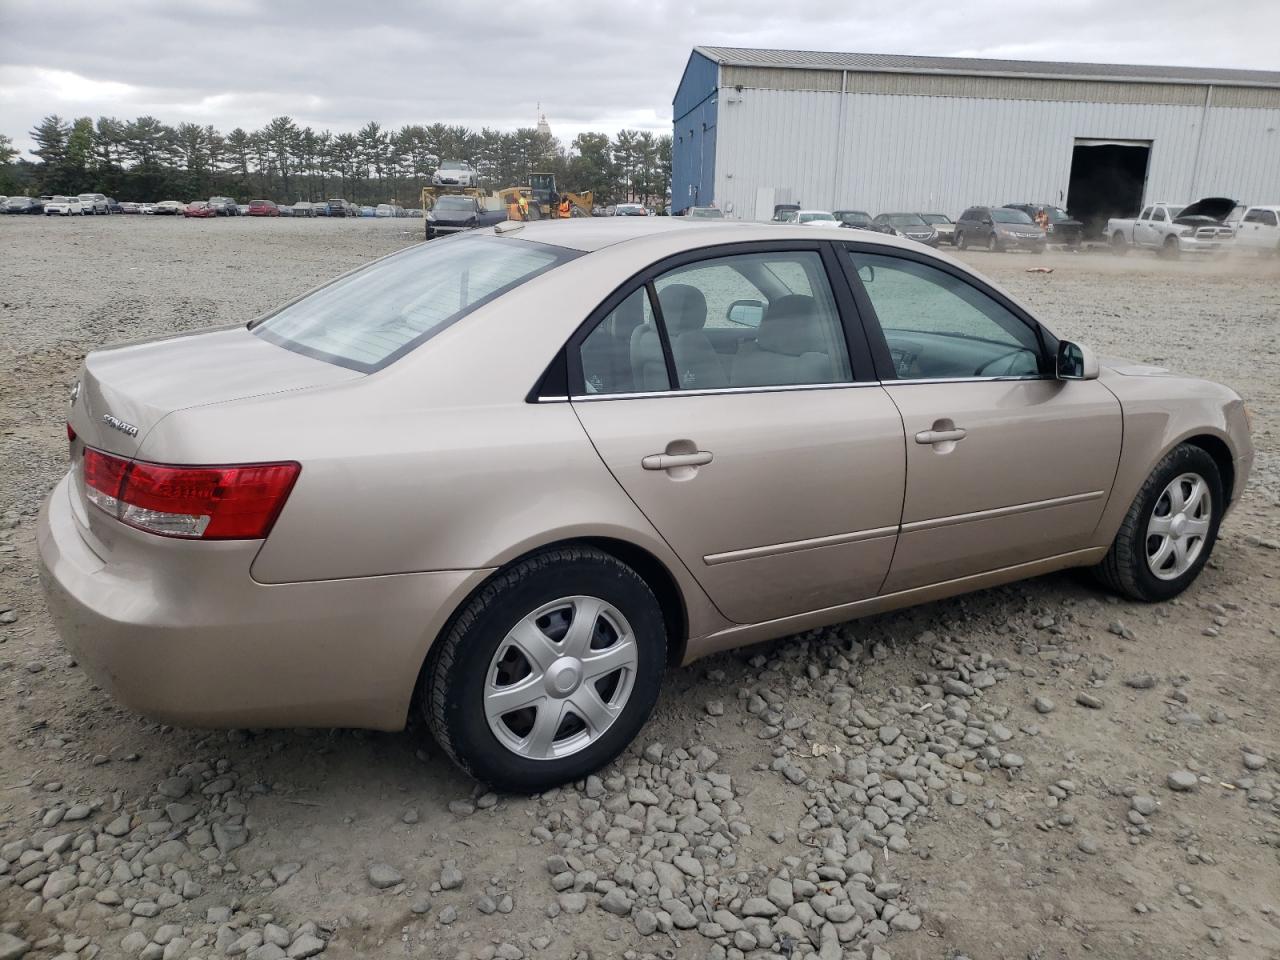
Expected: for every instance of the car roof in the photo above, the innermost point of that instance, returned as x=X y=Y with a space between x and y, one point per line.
x=587 y=234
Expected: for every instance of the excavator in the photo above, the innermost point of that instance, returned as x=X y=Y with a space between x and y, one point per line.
x=544 y=198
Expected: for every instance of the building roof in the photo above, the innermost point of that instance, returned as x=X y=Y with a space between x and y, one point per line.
x=976 y=66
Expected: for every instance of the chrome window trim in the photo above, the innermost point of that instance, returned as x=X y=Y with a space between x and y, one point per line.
x=595 y=397
x=919 y=380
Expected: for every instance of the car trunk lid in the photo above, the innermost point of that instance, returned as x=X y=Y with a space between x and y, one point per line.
x=125 y=391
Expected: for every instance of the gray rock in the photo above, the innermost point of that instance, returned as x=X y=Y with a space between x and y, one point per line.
x=450 y=875
x=282 y=872
x=1087 y=845
x=383 y=875
x=1143 y=804
x=1254 y=761
x=1181 y=781
x=449 y=914
x=572 y=902
x=759 y=907
x=170 y=851
x=1044 y=705
x=616 y=902
x=11 y=947
x=646 y=923
x=1140 y=681
x=1089 y=700
x=175 y=788
x=305 y=946
x=228 y=838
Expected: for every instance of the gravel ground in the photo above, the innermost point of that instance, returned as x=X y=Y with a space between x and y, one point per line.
x=1035 y=771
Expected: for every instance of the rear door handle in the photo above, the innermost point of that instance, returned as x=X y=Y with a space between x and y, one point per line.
x=941 y=436
x=667 y=461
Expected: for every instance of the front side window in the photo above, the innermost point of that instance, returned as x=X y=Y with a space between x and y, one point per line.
x=376 y=315
x=1269 y=217
x=938 y=326
x=1005 y=215
x=1159 y=216
x=1146 y=214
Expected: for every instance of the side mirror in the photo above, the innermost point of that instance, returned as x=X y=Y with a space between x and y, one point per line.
x=986 y=221
x=1076 y=362
x=748 y=313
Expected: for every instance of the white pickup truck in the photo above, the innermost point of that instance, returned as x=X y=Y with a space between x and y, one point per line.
x=1172 y=229
x=1257 y=228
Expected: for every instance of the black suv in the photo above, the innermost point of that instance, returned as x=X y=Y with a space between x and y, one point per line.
x=1059 y=227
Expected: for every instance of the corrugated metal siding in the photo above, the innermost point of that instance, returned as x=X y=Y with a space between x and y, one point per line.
x=770 y=78
x=697 y=83
x=693 y=134
x=915 y=152
x=1246 y=97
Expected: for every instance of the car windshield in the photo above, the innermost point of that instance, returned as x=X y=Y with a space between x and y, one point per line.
x=1057 y=214
x=453 y=165
x=86 y=196
x=935 y=218
x=854 y=217
x=811 y=215
x=454 y=203
x=59 y=199
x=1003 y=215
x=785 y=216
x=706 y=213
x=906 y=220
x=373 y=317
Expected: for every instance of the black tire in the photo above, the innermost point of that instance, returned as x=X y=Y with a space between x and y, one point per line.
x=1171 y=250
x=960 y=241
x=993 y=244
x=1125 y=569
x=1119 y=245
x=450 y=696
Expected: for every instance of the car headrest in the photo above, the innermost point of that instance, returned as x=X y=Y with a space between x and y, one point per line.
x=684 y=308
x=790 y=326
x=628 y=315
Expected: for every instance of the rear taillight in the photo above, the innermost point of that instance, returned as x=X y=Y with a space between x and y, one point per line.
x=198 y=503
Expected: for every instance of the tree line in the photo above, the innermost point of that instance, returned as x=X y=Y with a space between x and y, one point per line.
x=146 y=160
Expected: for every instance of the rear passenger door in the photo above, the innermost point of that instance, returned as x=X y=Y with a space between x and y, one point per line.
x=720 y=390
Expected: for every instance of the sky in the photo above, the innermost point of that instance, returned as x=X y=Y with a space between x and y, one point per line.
x=335 y=64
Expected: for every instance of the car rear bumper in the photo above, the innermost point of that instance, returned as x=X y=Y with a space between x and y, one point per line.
x=192 y=639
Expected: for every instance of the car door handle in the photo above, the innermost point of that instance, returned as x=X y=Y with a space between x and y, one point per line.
x=668 y=461
x=941 y=436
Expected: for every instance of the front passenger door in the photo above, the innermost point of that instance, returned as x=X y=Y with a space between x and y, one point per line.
x=1005 y=463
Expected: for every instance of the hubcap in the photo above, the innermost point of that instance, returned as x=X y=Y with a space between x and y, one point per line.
x=1179 y=526
x=560 y=678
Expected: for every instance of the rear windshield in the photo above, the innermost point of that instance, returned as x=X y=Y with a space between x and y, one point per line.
x=375 y=316
x=455 y=203
x=1005 y=215
x=905 y=220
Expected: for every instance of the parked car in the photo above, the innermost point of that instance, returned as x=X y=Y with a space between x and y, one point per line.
x=1259 y=230
x=341 y=208
x=321 y=209
x=224 y=206
x=24 y=205
x=629 y=210
x=453 y=214
x=169 y=208
x=998 y=229
x=95 y=203
x=816 y=218
x=910 y=225
x=1172 y=229
x=785 y=212
x=522 y=562
x=704 y=213
x=148 y=208
x=367 y=211
x=114 y=206
x=386 y=210
x=200 y=209
x=1059 y=226
x=128 y=206
x=943 y=225
x=455 y=173
x=304 y=209
x=263 y=208
x=60 y=206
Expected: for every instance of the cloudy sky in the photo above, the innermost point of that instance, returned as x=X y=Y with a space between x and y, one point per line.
x=335 y=64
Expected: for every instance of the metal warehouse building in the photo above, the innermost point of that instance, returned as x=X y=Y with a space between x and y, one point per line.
x=883 y=133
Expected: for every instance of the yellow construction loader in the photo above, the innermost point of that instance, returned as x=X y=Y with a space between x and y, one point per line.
x=544 y=198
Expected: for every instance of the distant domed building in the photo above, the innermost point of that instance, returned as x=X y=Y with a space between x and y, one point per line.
x=543 y=127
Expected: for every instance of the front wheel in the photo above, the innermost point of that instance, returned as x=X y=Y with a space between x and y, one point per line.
x=1168 y=534
x=548 y=672
x=1171 y=250
x=993 y=244
x=960 y=242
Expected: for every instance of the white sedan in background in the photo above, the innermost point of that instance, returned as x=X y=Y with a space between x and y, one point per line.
x=817 y=218
x=63 y=207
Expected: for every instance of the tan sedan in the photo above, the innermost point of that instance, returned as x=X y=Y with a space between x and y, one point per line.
x=501 y=481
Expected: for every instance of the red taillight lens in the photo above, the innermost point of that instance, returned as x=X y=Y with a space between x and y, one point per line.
x=71 y=434
x=202 y=503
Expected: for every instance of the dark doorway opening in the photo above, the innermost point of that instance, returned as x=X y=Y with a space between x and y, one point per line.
x=1107 y=180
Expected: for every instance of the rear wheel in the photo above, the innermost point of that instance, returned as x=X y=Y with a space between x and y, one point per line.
x=1168 y=534
x=548 y=672
x=1119 y=246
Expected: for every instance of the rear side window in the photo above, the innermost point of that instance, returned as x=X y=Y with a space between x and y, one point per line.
x=374 y=316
